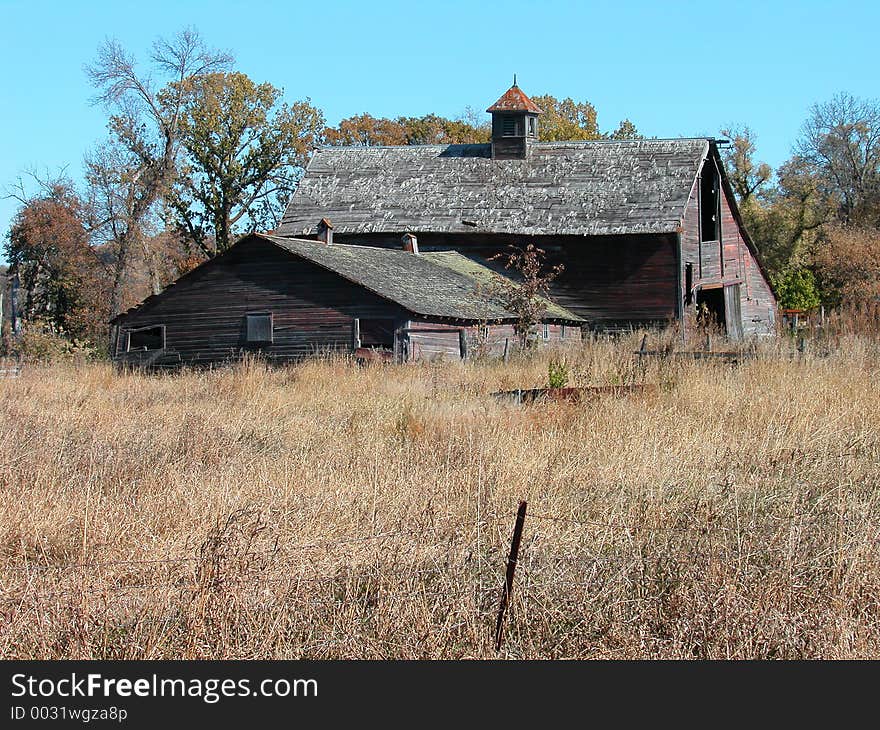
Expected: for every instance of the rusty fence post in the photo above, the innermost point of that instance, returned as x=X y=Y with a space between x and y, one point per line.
x=511 y=569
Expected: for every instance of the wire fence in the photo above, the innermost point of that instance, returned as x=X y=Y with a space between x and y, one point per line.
x=275 y=551
x=372 y=584
x=540 y=570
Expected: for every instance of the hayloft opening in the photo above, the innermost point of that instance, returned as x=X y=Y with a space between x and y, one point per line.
x=710 y=199
x=146 y=338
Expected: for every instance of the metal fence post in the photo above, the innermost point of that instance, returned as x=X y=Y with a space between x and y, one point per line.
x=511 y=569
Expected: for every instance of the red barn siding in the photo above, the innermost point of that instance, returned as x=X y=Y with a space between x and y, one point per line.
x=757 y=301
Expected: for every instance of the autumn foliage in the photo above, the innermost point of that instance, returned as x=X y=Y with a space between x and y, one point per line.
x=848 y=262
x=63 y=280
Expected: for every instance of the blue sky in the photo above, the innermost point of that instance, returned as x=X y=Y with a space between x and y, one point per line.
x=673 y=68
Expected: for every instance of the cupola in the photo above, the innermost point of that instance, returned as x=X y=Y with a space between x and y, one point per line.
x=514 y=124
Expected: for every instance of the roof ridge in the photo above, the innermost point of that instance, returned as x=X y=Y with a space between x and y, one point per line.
x=342 y=245
x=440 y=145
x=537 y=143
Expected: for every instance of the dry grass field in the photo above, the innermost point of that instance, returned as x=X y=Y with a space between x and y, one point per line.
x=331 y=511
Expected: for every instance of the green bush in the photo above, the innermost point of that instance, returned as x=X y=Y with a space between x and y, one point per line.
x=557 y=374
x=797 y=289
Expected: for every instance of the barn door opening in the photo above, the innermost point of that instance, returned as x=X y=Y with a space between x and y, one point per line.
x=710 y=309
x=377 y=333
x=733 y=312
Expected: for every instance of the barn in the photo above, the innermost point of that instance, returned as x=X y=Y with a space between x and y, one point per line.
x=648 y=230
x=286 y=299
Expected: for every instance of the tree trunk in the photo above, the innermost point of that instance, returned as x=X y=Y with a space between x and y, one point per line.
x=152 y=269
x=120 y=273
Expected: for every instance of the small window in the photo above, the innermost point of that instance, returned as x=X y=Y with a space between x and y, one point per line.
x=512 y=126
x=146 y=338
x=531 y=126
x=259 y=328
x=545 y=332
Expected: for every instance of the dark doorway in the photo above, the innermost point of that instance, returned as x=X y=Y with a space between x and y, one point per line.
x=377 y=333
x=710 y=308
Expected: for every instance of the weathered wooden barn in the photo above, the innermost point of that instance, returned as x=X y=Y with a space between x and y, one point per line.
x=286 y=299
x=648 y=230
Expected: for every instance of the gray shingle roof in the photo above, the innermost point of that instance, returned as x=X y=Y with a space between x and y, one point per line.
x=577 y=188
x=442 y=284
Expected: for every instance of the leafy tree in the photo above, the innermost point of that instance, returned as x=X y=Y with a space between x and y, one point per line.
x=367 y=131
x=625 y=130
x=244 y=153
x=566 y=119
x=561 y=120
x=136 y=168
x=848 y=263
x=63 y=282
x=433 y=129
x=748 y=177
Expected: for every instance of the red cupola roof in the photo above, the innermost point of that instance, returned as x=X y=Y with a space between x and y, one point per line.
x=514 y=100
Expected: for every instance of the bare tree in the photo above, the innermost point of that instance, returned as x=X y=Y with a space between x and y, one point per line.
x=841 y=143
x=136 y=167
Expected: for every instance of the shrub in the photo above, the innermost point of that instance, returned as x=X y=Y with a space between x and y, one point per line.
x=797 y=289
x=557 y=374
x=37 y=342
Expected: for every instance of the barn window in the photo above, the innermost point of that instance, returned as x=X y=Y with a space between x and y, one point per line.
x=146 y=338
x=531 y=126
x=545 y=332
x=710 y=199
x=259 y=327
x=508 y=126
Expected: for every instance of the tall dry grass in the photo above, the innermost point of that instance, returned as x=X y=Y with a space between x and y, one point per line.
x=325 y=510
